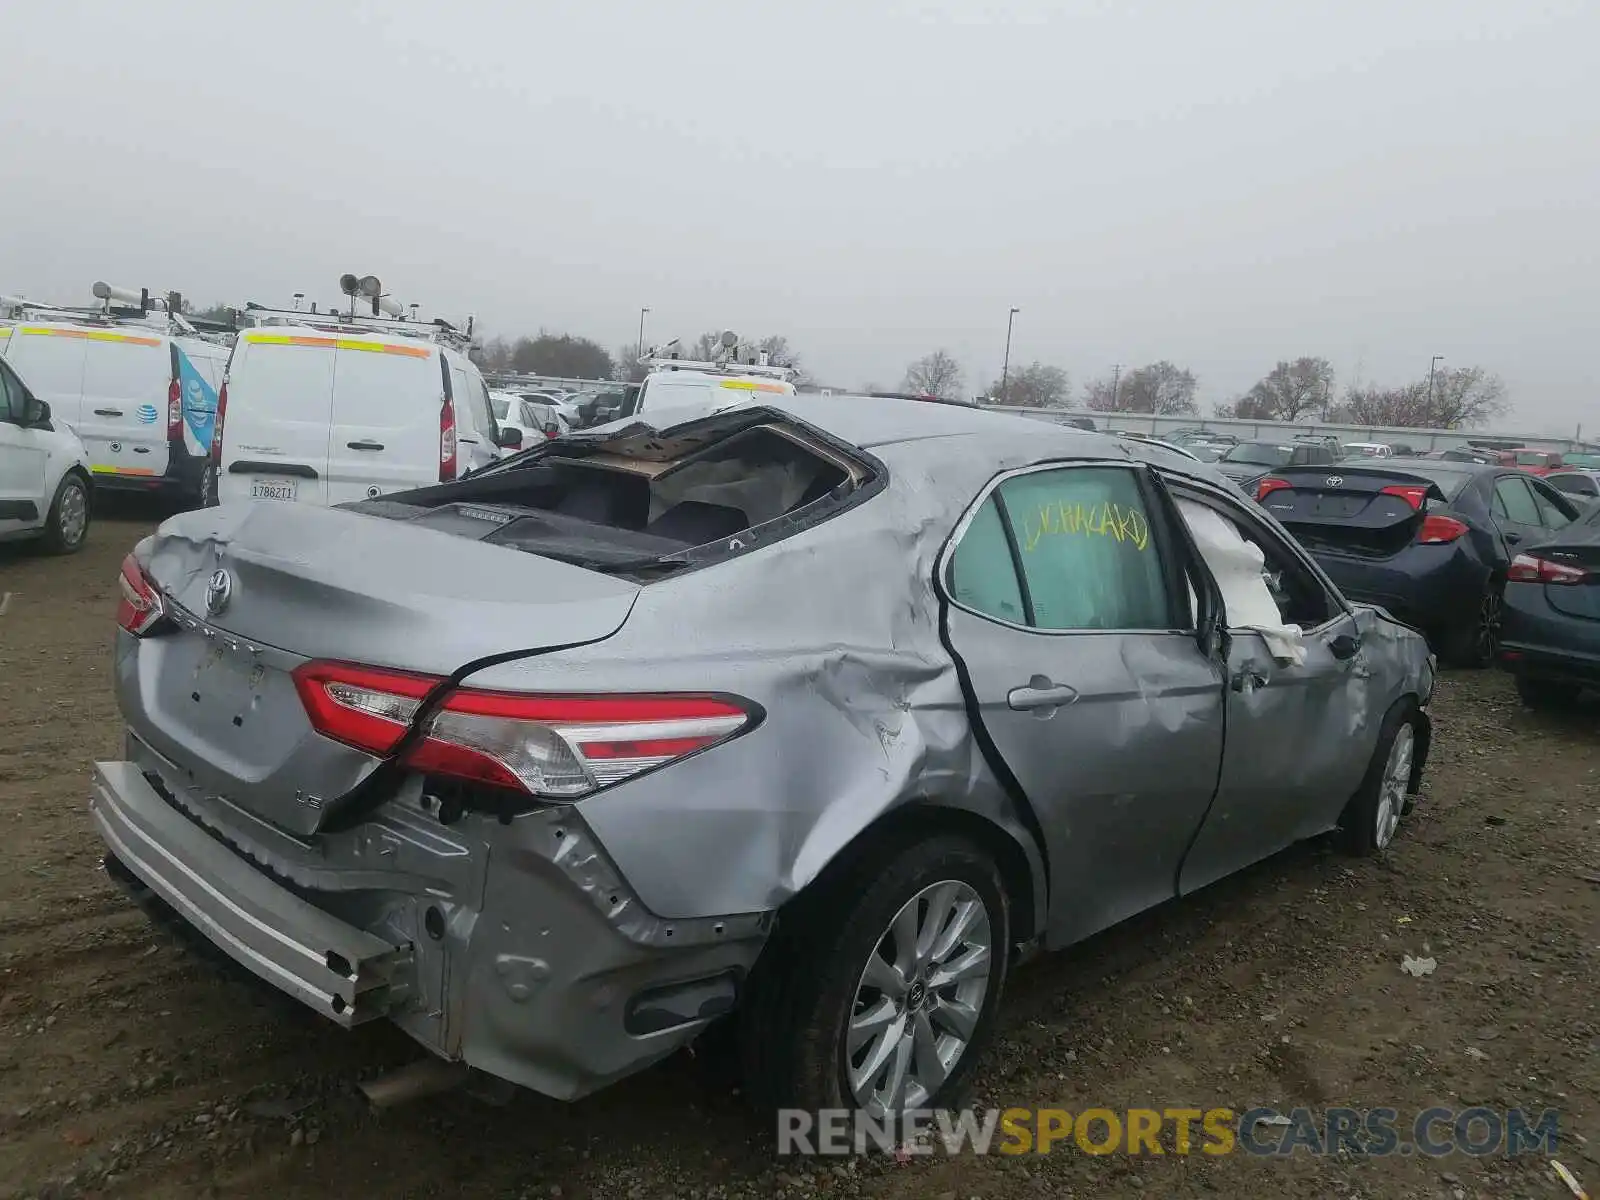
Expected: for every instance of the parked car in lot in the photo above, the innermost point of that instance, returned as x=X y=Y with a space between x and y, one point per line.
x=1249 y=461
x=812 y=712
x=1360 y=450
x=45 y=477
x=1582 y=485
x=1551 y=638
x=1322 y=439
x=1431 y=541
x=1535 y=462
x=532 y=419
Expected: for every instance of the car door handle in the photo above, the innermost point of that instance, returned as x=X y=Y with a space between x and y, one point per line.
x=108 y=412
x=1512 y=538
x=1040 y=693
x=365 y=445
x=1248 y=680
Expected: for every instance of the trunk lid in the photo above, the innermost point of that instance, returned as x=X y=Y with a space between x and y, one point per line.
x=1578 y=545
x=215 y=695
x=1346 y=508
x=330 y=583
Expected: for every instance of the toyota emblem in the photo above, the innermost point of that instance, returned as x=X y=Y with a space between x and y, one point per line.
x=218 y=591
x=1335 y=480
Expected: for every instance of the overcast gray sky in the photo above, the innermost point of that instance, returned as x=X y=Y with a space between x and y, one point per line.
x=1221 y=184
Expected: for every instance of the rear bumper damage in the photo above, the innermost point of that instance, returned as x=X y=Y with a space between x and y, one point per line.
x=516 y=948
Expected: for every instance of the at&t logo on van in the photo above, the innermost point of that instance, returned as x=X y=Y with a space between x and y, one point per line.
x=147 y=414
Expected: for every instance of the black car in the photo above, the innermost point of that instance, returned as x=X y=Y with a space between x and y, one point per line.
x=1430 y=541
x=1551 y=636
x=1249 y=461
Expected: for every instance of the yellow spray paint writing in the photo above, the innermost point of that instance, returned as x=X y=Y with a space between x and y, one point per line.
x=1127 y=525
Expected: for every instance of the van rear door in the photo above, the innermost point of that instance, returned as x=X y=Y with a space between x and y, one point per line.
x=125 y=396
x=275 y=431
x=384 y=435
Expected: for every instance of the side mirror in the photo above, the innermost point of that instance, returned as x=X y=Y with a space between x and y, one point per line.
x=36 y=411
x=509 y=438
x=1344 y=647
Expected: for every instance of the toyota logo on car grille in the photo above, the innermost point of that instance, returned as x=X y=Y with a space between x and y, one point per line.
x=1335 y=480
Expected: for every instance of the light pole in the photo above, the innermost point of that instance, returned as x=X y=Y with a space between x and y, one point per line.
x=1437 y=359
x=1116 y=378
x=1005 y=369
x=642 y=312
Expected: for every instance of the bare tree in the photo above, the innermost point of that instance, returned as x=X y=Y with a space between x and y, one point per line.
x=629 y=368
x=1466 y=396
x=1459 y=397
x=1289 y=391
x=1033 y=386
x=936 y=374
x=1160 y=388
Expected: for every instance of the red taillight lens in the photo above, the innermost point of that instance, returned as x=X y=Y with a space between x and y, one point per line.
x=1269 y=485
x=447 y=442
x=1437 y=530
x=1412 y=494
x=216 y=429
x=560 y=747
x=1530 y=568
x=174 y=410
x=139 y=606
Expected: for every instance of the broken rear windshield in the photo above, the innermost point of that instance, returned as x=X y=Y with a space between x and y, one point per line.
x=632 y=506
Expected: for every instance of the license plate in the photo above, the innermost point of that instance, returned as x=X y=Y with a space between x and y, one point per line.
x=273 y=489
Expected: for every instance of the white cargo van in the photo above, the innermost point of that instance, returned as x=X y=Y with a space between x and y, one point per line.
x=329 y=415
x=736 y=373
x=143 y=400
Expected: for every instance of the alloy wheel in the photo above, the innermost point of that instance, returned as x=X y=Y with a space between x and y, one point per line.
x=919 y=999
x=1392 y=787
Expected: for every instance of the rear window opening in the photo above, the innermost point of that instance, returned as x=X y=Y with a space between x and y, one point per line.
x=647 y=507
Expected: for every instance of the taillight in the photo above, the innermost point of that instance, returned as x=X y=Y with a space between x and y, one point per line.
x=1412 y=494
x=447 y=441
x=174 y=410
x=1530 y=568
x=1269 y=485
x=139 y=608
x=216 y=428
x=558 y=747
x=1437 y=530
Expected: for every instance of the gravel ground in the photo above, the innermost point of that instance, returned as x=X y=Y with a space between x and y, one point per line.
x=129 y=1068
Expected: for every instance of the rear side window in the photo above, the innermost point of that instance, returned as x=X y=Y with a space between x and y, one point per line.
x=1084 y=555
x=1574 y=485
x=1513 y=501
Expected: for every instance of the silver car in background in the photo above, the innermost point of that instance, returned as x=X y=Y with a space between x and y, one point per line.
x=819 y=715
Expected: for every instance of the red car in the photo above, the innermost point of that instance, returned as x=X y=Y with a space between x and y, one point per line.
x=1535 y=462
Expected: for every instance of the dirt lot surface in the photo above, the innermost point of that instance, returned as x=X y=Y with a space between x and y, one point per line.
x=128 y=1068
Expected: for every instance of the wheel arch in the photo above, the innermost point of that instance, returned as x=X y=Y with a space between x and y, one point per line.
x=1014 y=849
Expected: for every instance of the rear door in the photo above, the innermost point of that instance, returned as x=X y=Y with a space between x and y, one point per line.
x=1070 y=619
x=124 y=424
x=275 y=430
x=1515 y=510
x=476 y=428
x=196 y=373
x=385 y=431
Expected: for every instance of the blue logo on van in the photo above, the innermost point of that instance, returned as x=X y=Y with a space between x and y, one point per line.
x=199 y=403
x=147 y=414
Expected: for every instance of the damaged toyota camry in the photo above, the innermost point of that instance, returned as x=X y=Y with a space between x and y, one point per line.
x=812 y=717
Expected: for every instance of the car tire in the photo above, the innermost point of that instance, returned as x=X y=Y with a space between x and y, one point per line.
x=1475 y=643
x=66 y=527
x=1547 y=693
x=826 y=963
x=1372 y=817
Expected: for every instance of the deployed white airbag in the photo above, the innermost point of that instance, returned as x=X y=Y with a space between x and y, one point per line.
x=1238 y=566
